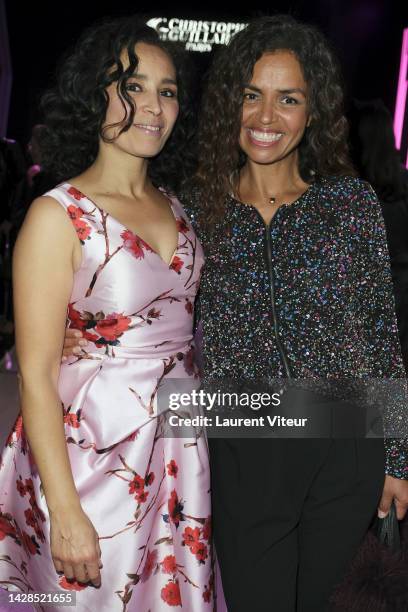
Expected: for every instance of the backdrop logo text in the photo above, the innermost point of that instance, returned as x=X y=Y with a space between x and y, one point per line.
x=197 y=35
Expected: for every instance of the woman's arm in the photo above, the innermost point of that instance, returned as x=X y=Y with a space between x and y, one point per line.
x=374 y=292
x=43 y=268
x=396 y=224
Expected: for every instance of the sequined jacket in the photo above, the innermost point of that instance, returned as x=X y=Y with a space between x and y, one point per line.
x=327 y=259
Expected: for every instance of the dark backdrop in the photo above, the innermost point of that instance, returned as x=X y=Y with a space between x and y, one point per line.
x=366 y=33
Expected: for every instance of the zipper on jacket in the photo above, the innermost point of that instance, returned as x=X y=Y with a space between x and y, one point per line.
x=268 y=257
x=268 y=253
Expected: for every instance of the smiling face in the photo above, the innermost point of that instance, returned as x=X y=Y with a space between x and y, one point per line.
x=274 y=111
x=154 y=91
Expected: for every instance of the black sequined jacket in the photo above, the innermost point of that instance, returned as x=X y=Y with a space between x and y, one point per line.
x=314 y=288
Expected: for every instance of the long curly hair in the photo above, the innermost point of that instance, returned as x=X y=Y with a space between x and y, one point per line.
x=75 y=108
x=323 y=150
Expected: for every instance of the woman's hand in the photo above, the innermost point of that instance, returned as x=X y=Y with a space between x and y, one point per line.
x=73 y=343
x=75 y=546
x=394 y=489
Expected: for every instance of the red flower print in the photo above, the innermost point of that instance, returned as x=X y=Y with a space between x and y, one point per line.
x=171 y=594
x=188 y=306
x=113 y=326
x=200 y=550
x=207 y=529
x=108 y=327
x=6 y=528
x=77 y=322
x=149 y=479
x=38 y=513
x=151 y=562
x=169 y=565
x=189 y=361
x=137 y=485
x=39 y=533
x=75 y=212
x=172 y=468
x=30 y=487
x=71 y=586
x=18 y=427
x=142 y=496
x=207 y=596
x=20 y=487
x=135 y=244
x=132 y=436
x=175 y=509
x=177 y=264
x=153 y=314
x=71 y=419
x=17 y=430
x=30 y=517
x=82 y=228
x=182 y=225
x=75 y=193
x=191 y=536
x=30 y=544
x=83 y=323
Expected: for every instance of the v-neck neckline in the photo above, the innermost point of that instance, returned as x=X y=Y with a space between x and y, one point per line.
x=128 y=229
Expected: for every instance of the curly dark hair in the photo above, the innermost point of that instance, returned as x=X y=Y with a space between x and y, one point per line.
x=323 y=150
x=75 y=108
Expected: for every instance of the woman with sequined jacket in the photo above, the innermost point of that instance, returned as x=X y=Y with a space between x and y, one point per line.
x=296 y=285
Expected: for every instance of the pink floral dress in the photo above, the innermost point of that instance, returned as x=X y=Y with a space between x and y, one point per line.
x=147 y=496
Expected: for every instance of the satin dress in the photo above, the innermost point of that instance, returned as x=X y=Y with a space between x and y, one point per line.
x=148 y=496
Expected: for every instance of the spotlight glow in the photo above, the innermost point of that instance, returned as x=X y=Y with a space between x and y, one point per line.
x=400 y=105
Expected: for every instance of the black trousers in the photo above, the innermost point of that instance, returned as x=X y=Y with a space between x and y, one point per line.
x=289 y=514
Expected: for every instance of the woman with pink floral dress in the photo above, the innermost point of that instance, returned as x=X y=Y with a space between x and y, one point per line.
x=93 y=498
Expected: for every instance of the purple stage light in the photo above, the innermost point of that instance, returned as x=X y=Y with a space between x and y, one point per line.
x=401 y=114
x=5 y=71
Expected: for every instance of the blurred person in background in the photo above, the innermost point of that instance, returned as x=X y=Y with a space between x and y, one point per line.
x=13 y=196
x=39 y=181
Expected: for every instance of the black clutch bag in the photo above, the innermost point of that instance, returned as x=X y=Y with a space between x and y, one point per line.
x=387 y=530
